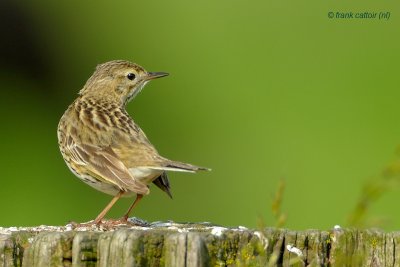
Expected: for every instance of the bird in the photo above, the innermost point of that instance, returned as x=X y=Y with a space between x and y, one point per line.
x=103 y=146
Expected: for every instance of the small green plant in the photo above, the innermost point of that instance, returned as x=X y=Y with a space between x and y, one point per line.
x=372 y=191
x=276 y=207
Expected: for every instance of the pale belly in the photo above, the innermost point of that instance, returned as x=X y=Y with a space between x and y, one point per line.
x=145 y=174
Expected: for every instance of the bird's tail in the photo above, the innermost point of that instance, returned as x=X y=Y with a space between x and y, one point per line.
x=180 y=166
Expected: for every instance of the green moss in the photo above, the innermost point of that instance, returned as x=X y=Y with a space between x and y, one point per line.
x=21 y=242
x=252 y=253
x=8 y=252
x=222 y=249
x=236 y=248
x=374 y=242
x=151 y=249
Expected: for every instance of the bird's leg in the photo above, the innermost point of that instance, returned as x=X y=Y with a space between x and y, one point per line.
x=126 y=216
x=107 y=208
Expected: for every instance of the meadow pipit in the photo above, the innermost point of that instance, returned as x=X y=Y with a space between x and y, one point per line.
x=103 y=146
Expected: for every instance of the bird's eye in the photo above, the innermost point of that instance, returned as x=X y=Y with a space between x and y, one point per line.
x=131 y=76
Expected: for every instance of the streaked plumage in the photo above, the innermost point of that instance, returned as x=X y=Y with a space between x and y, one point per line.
x=103 y=146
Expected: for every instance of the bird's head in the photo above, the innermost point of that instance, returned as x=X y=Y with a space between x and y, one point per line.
x=118 y=80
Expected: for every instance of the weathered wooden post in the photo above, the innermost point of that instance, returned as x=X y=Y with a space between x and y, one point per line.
x=191 y=244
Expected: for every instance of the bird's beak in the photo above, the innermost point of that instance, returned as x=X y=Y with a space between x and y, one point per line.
x=155 y=75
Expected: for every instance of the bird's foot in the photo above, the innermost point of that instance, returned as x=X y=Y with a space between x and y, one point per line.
x=89 y=224
x=109 y=224
x=132 y=221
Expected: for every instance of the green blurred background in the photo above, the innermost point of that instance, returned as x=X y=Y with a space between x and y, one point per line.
x=259 y=91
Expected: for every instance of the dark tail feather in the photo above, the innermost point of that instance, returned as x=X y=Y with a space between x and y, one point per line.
x=162 y=182
x=185 y=166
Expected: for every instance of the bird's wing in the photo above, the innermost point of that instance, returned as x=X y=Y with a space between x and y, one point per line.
x=134 y=149
x=104 y=163
x=130 y=145
x=137 y=151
